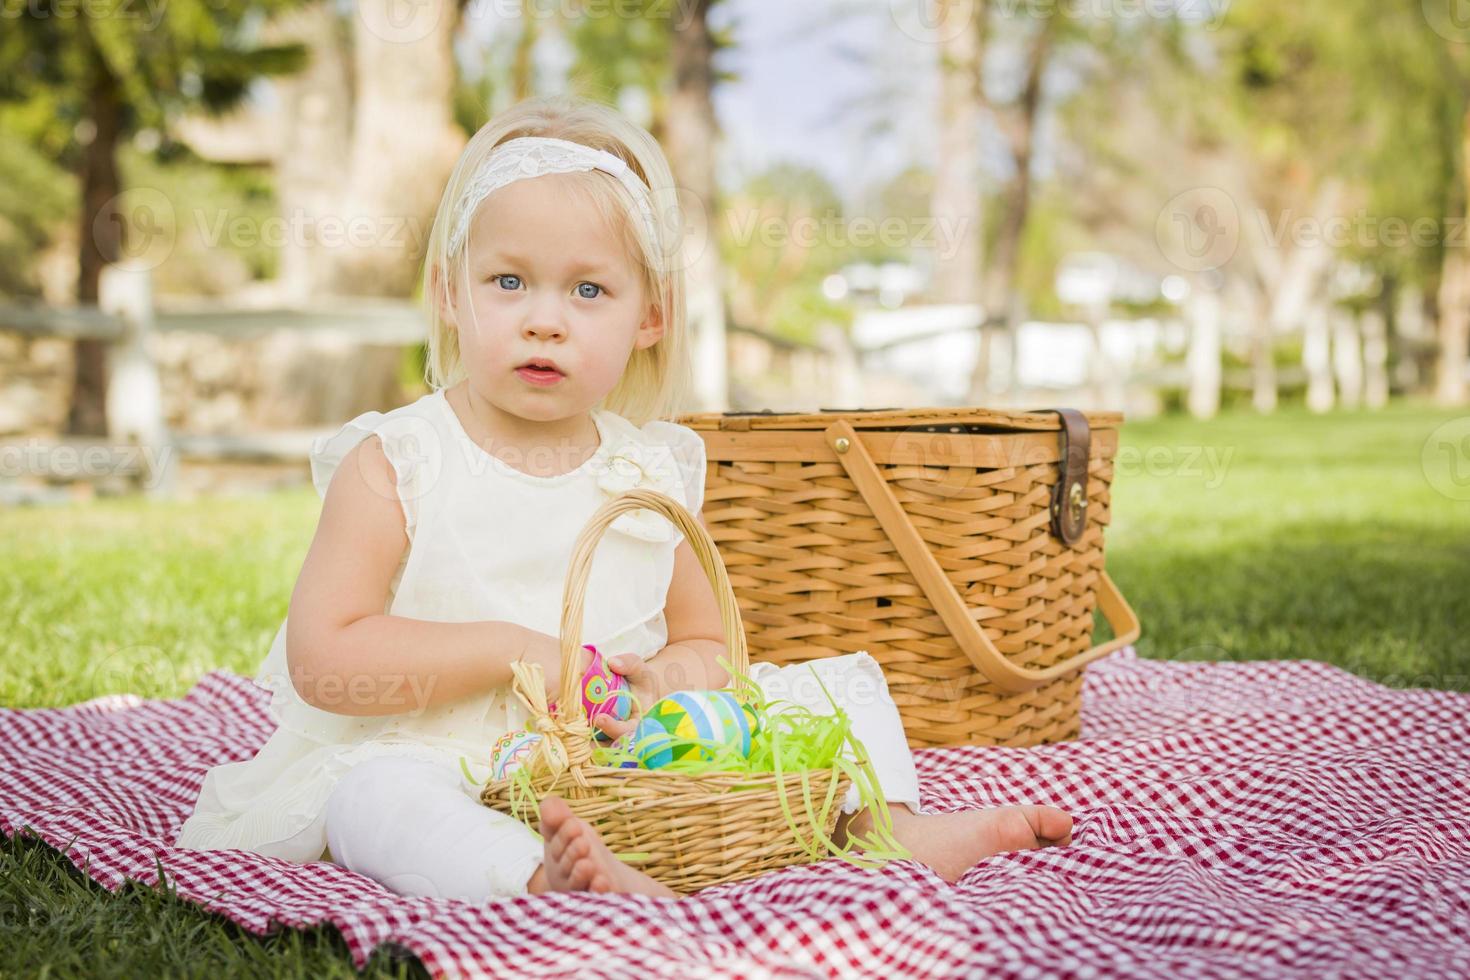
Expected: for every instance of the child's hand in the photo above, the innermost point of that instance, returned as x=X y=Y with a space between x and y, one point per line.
x=546 y=651
x=643 y=684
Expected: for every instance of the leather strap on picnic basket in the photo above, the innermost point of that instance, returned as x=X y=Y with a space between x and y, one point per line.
x=1069 y=514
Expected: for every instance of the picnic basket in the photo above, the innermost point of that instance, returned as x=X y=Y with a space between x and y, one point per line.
x=961 y=547
x=691 y=831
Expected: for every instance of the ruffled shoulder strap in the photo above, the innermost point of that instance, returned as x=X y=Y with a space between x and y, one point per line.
x=688 y=453
x=412 y=442
x=658 y=455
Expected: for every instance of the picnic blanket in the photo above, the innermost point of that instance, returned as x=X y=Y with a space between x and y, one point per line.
x=1271 y=818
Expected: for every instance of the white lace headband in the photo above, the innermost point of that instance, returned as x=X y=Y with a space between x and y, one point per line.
x=533 y=156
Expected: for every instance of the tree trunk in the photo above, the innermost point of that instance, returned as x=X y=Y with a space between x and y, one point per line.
x=1263 y=364
x=1454 y=302
x=1374 y=328
x=316 y=111
x=1347 y=358
x=1293 y=279
x=404 y=143
x=957 y=193
x=1203 y=358
x=1452 y=328
x=523 y=65
x=691 y=137
x=1003 y=272
x=101 y=241
x=1317 y=359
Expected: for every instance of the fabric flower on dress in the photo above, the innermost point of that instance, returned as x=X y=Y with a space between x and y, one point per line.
x=641 y=465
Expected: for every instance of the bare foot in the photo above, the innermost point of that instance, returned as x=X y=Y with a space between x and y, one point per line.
x=576 y=859
x=951 y=843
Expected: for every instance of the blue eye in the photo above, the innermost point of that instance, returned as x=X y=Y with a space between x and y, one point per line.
x=593 y=285
x=507 y=276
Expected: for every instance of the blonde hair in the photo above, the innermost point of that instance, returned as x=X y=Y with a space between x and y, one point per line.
x=657 y=378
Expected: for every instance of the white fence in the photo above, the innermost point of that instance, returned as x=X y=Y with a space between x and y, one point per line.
x=138 y=446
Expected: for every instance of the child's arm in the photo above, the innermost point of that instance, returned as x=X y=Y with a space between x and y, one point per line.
x=343 y=653
x=696 y=631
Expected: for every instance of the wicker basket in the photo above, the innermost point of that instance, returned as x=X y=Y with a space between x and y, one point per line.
x=693 y=831
x=948 y=543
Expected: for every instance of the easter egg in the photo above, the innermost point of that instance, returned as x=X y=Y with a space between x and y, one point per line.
x=511 y=751
x=600 y=685
x=717 y=716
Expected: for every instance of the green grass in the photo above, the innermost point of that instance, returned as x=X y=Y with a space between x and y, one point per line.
x=1243 y=538
x=1319 y=537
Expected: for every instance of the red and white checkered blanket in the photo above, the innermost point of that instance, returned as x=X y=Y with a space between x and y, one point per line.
x=1280 y=818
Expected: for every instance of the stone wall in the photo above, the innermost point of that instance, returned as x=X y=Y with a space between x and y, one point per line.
x=213 y=385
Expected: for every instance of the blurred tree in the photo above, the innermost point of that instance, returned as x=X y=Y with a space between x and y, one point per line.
x=404 y=141
x=784 y=237
x=1376 y=94
x=630 y=59
x=104 y=70
x=691 y=139
x=34 y=198
x=959 y=29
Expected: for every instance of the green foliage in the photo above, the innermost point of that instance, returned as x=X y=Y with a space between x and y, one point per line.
x=782 y=234
x=1365 y=91
x=614 y=52
x=167 y=58
x=61 y=65
x=217 y=226
x=36 y=196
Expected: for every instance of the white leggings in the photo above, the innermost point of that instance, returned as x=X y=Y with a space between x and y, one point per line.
x=407 y=823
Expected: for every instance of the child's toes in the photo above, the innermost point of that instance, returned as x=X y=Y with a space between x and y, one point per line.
x=584 y=874
x=1050 y=824
x=554 y=813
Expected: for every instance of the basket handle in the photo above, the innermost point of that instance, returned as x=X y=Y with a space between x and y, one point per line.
x=946 y=598
x=574 y=591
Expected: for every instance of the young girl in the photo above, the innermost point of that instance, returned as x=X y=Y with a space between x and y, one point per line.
x=557 y=352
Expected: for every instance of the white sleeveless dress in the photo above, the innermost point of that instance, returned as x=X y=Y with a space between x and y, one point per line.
x=487 y=542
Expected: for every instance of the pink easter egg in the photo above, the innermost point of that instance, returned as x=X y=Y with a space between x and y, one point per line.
x=600 y=684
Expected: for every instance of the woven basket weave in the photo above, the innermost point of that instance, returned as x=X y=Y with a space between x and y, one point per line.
x=925 y=537
x=694 y=831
